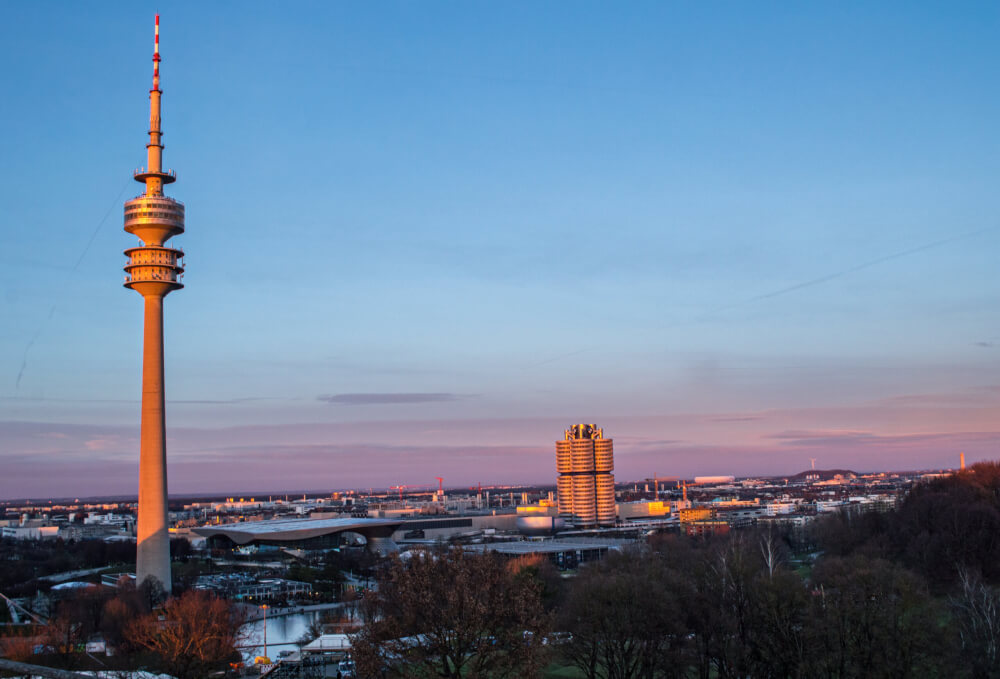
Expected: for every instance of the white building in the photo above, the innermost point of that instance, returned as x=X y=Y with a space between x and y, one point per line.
x=30 y=532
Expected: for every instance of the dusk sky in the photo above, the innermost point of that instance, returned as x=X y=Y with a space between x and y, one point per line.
x=423 y=238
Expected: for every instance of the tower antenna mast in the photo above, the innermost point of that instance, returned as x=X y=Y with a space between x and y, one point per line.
x=156 y=54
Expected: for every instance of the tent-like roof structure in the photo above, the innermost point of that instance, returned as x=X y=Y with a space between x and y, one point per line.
x=296 y=530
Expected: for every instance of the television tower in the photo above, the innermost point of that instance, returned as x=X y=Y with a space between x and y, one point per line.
x=153 y=270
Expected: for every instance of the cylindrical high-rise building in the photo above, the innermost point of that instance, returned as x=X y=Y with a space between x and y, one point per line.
x=585 y=462
x=153 y=270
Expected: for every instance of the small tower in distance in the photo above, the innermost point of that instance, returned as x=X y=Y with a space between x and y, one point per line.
x=153 y=270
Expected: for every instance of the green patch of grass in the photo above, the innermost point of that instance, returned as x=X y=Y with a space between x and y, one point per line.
x=559 y=671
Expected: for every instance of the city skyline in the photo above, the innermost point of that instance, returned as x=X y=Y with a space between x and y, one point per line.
x=778 y=225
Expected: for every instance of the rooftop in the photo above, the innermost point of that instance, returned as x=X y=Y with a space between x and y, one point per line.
x=547 y=546
x=298 y=529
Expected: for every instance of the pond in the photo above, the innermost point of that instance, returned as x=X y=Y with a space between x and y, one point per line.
x=282 y=633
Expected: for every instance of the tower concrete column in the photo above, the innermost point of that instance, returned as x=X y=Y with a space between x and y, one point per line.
x=152 y=534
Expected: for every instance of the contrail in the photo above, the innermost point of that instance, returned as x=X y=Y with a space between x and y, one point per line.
x=806 y=284
x=90 y=242
x=561 y=357
x=31 y=342
x=52 y=311
x=857 y=267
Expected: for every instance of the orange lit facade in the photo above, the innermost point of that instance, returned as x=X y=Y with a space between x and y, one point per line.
x=153 y=270
x=586 y=484
x=639 y=510
x=695 y=514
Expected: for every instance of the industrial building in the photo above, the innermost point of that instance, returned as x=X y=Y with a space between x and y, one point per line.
x=586 y=484
x=562 y=553
x=450 y=526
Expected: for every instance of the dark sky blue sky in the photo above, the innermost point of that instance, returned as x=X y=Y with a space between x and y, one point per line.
x=737 y=235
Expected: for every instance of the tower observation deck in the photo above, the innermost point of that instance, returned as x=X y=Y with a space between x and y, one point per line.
x=153 y=270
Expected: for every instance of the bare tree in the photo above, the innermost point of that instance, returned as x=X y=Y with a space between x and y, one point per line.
x=977 y=613
x=872 y=618
x=62 y=636
x=452 y=614
x=770 y=550
x=192 y=635
x=537 y=567
x=626 y=620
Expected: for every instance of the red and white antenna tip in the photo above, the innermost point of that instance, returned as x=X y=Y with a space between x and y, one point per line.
x=156 y=55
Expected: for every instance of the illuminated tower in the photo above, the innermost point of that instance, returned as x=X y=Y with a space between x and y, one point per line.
x=153 y=270
x=585 y=460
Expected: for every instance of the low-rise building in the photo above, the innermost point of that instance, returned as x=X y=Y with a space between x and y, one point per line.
x=775 y=508
x=30 y=532
x=243 y=587
x=691 y=514
x=640 y=510
x=704 y=527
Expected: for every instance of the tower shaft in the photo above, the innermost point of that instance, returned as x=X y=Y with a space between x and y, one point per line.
x=152 y=534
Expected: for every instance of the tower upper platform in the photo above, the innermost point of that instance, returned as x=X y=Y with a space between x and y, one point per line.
x=153 y=268
x=165 y=176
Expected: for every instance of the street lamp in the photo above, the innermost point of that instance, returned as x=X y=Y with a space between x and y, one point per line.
x=264 y=608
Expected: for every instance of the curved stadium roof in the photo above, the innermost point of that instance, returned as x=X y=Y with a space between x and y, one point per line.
x=292 y=530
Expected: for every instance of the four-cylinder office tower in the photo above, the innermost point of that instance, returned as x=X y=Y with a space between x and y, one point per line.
x=585 y=460
x=153 y=270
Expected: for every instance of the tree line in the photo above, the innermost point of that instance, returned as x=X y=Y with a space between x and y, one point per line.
x=188 y=636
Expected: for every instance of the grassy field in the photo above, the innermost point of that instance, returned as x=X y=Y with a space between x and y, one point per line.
x=559 y=671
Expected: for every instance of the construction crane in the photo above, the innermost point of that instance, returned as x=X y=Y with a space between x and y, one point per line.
x=440 y=485
x=656 y=482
